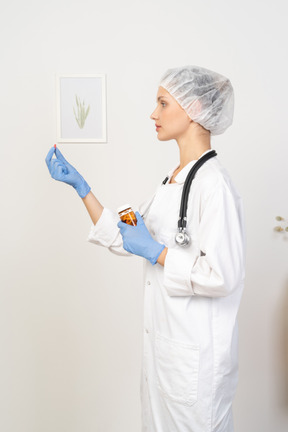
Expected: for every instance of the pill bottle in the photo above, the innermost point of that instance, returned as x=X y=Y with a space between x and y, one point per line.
x=127 y=215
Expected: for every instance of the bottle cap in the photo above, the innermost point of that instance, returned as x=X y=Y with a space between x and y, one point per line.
x=123 y=207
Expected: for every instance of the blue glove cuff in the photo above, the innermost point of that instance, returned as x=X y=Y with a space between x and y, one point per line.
x=157 y=249
x=83 y=188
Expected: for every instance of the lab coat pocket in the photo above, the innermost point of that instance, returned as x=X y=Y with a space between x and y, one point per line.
x=177 y=367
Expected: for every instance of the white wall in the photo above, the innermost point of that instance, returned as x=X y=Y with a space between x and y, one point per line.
x=71 y=313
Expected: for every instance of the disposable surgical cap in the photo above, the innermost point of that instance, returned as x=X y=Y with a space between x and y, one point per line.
x=215 y=93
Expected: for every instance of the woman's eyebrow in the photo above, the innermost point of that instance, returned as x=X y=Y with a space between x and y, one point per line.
x=160 y=98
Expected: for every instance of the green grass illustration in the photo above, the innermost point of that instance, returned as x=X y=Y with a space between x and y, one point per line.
x=82 y=112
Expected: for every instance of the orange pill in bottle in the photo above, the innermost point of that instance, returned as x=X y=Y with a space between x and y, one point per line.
x=127 y=215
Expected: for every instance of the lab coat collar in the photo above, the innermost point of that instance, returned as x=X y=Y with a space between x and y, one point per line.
x=181 y=176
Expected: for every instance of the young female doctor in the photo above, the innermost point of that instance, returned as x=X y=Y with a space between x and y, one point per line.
x=192 y=292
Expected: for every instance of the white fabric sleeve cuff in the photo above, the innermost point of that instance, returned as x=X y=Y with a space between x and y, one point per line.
x=177 y=272
x=105 y=232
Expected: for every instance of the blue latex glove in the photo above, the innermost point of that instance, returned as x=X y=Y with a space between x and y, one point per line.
x=137 y=240
x=62 y=171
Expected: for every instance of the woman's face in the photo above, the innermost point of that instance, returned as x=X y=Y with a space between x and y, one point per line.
x=171 y=118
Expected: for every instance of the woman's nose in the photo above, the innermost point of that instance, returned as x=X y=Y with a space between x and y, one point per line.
x=153 y=116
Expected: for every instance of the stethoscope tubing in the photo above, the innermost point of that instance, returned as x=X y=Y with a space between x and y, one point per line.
x=182 y=238
x=182 y=221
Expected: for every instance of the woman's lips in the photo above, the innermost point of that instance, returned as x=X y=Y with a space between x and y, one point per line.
x=157 y=127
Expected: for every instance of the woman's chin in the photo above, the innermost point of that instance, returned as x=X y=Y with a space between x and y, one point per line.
x=163 y=137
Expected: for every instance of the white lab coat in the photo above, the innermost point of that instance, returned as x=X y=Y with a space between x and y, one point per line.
x=190 y=338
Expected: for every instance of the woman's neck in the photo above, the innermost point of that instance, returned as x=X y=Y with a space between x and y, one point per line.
x=191 y=146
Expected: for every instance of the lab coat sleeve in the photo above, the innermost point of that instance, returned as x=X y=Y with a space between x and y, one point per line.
x=106 y=233
x=215 y=268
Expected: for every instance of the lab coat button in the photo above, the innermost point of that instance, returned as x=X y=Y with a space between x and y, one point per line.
x=147 y=331
x=148 y=283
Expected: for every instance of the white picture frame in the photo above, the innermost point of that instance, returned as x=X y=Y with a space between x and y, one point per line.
x=81 y=108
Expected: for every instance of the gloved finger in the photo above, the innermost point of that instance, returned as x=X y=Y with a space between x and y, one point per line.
x=60 y=171
x=60 y=156
x=122 y=226
x=57 y=167
x=140 y=221
x=52 y=164
x=63 y=168
x=49 y=156
x=126 y=227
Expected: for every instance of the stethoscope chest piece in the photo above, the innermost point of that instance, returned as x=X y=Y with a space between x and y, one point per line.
x=182 y=238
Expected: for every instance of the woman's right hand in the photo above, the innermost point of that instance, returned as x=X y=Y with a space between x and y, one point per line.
x=61 y=170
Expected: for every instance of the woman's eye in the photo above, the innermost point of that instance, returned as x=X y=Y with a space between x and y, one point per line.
x=163 y=103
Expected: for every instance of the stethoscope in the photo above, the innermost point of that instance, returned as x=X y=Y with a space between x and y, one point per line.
x=182 y=238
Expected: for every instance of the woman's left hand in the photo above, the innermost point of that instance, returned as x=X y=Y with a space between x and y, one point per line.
x=138 y=241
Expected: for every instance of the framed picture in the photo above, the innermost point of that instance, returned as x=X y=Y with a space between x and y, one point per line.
x=81 y=108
